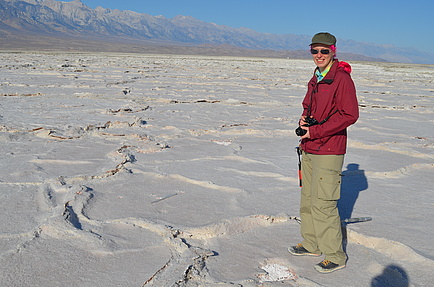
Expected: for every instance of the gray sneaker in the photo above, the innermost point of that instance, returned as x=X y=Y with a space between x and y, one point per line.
x=299 y=250
x=326 y=266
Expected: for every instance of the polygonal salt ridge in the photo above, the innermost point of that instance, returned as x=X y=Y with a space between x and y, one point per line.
x=127 y=110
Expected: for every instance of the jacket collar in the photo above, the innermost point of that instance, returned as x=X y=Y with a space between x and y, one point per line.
x=328 y=79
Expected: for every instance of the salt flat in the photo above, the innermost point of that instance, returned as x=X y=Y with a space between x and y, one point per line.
x=153 y=170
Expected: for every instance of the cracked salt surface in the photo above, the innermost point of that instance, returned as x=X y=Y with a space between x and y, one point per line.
x=148 y=170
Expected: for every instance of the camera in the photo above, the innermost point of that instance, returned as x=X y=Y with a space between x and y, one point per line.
x=310 y=122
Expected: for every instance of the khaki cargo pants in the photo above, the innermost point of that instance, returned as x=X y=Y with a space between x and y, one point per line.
x=320 y=221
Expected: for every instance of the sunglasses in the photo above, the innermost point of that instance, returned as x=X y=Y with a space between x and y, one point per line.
x=323 y=51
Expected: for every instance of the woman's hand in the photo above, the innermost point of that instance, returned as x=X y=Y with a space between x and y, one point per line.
x=302 y=122
x=307 y=134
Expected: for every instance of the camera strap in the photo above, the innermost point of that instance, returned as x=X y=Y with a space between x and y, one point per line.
x=327 y=118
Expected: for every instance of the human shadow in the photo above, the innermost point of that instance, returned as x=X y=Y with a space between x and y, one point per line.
x=392 y=276
x=353 y=182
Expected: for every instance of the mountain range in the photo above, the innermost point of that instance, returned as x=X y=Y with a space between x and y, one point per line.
x=50 y=25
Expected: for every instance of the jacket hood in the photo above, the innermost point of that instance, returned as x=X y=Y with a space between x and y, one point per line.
x=345 y=66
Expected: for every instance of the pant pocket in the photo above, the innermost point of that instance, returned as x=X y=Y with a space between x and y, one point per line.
x=329 y=186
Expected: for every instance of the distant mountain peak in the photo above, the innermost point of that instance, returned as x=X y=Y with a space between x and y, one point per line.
x=52 y=18
x=183 y=18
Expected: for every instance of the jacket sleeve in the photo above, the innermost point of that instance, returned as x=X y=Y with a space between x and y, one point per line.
x=347 y=109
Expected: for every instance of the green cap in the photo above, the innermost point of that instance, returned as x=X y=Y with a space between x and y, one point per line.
x=323 y=38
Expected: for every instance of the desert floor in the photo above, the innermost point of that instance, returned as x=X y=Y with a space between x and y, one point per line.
x=153 y=170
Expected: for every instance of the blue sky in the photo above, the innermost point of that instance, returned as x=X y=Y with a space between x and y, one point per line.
x=400 y=23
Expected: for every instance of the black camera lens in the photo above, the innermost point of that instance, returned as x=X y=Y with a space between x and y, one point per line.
x=300 y=132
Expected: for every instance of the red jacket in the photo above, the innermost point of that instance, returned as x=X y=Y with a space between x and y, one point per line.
x=336 y=92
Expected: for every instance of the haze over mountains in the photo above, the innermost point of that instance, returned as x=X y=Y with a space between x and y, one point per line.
x=72 y=26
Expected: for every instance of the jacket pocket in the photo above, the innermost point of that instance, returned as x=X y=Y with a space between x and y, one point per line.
x=329 y=185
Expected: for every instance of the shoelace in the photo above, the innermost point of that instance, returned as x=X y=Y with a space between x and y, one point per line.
x=325 y=262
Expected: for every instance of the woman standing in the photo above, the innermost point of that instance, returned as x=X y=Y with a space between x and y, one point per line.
x=329 y=107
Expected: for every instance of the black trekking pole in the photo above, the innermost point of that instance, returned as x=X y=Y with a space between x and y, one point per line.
x=355 y=220
x=300 y=176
